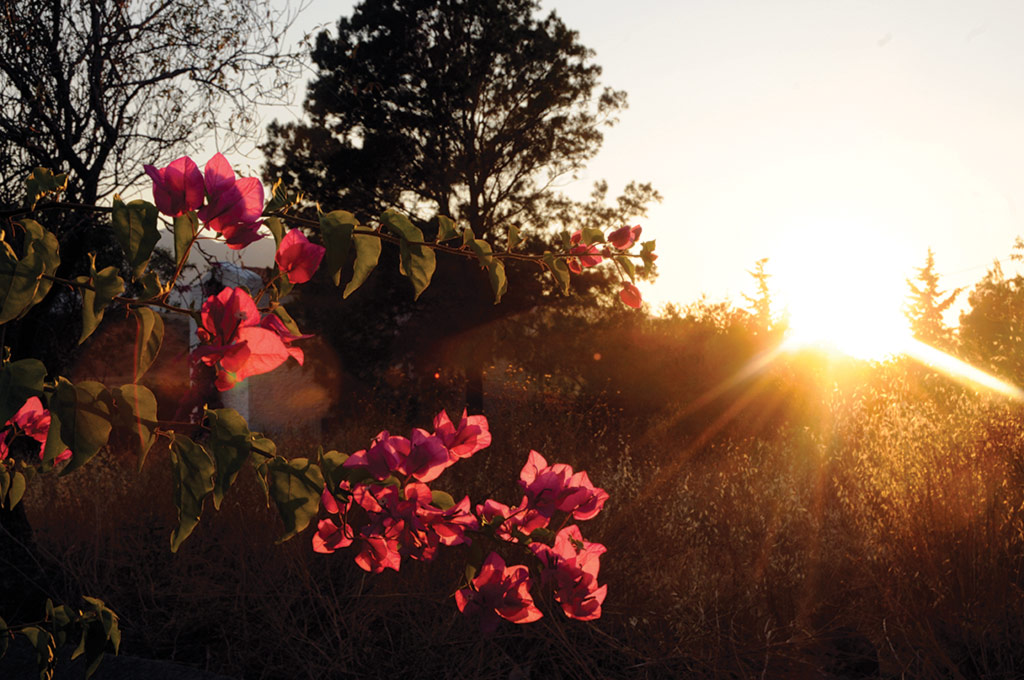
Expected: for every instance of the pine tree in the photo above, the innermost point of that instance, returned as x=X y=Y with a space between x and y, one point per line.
x=926 y=304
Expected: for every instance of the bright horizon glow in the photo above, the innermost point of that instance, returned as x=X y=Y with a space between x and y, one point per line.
x=842 y=289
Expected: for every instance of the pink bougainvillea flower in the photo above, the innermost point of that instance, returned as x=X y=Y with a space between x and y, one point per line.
x=379 y=545
x=521 y=518
x=234 y=340
x=382 y=457
x=471 y=436
x=233 y=206
x=333 y=533
x=544 y=485
x=454 y=522
x=273 y=323
x=556 y=487
x=498 y=591
x=426 y=459
x=588 y=255
x=572 y=567
x=33 y=421
x=582 y=498
x=297 y=258
x=178 y=188
x=624 y=237
x=630 y=296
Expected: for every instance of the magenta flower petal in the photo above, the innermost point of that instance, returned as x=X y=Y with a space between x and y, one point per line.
x=297 y=258
x=630 y=296
x=178 y=188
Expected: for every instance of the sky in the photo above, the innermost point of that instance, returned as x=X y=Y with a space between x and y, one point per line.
x=840 y=140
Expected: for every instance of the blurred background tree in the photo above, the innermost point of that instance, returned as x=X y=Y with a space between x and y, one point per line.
x=992 y=330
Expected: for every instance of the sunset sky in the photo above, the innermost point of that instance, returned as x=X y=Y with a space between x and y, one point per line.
x=839 y=139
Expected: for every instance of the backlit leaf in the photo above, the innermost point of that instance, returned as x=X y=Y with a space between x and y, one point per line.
x=336 y=229
x=83 y=413
x=185 y=229
x=135 y=229
x=417 y=262
x=19 y=381
x=295 y=487
x=445 y=229
x=136 y=415
x=106 y=285
x=230 y=443
x=559 y=270
x=367 y=255
x=193 y=471
x=41 y=183
x=149 y=330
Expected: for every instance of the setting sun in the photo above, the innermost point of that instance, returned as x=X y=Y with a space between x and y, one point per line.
x=842 y=289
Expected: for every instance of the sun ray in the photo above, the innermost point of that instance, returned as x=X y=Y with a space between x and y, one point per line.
x=960 y=370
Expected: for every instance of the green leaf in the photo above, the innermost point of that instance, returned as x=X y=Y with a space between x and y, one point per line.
x=42 y=242
x=151 y=286
x=592 y=235
x=83 y=422
x=441 y=499
x=106 y=285
x=101 y=626
x=514 y=238
x=19 y=381
x=331 y=466
x=135 y=230
x=136 y=414
x=417 y=262
x=185 y=229
x=230 y=443
x=295 y=487
x=566 y=239
x=628 y=266
x=21 y=280
x=336 y=229
x=467 y=236
x=559 y=270
x=367 y=255
x=445 y=229
x=41 y=183
x=193 y=470
x=495 y=267
x=46 y=649
x=276 y=227
x=149 y=335
x=5 y=482
x=280 y=199
x=648 y=256
x=16 y=490
x=262 y=446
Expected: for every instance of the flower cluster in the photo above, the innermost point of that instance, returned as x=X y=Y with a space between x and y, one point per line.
x=584 y=255
x=33 y=421
x=226 y=204
x=385 y=508
x=239 y=342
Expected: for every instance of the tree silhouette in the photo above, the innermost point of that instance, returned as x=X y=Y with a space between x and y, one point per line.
x=464 y=108
x=99 y=87
x=926 y=304
x=467 y=109
x=761 y=302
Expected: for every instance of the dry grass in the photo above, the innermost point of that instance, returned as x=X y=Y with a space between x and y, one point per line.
x=884 y=540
